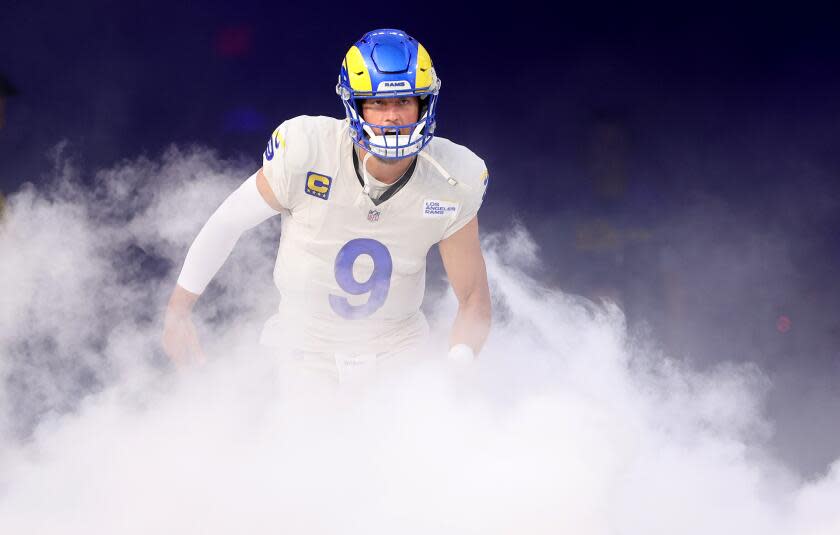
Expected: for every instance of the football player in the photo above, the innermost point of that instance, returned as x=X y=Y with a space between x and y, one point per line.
x=362 y=200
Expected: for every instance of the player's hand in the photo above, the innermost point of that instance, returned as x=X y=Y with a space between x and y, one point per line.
x=180 y=339
x=461 y=353
x=461 y=356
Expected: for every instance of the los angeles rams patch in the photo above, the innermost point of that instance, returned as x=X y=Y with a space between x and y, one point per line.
x=318 y=185
x=433 y=208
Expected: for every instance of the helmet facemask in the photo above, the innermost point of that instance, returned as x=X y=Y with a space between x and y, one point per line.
x=391 y=142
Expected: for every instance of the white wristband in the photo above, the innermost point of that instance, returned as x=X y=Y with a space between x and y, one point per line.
x=461 y=353
x=243 y=209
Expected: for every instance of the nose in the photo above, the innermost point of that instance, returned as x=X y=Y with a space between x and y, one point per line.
x=391 y=115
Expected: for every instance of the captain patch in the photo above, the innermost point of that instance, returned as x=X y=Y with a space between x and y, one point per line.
x=317 y=185
x=432 y=208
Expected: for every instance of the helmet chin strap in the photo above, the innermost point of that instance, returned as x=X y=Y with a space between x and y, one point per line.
x=440 y=169
x=360 y=200
x=365 y=175
x=422 y=154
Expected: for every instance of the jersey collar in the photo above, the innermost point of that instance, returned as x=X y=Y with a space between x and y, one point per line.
x=395 y=187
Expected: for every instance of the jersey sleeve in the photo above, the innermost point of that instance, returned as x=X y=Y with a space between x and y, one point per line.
x=474 y=186
x=275 y=166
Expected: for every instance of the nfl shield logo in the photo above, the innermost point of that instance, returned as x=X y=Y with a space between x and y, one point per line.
x=373 y=216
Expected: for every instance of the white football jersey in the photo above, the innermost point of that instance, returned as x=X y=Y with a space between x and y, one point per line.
x=351 y=273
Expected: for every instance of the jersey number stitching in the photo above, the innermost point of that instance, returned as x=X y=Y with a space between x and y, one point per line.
x=378 y=284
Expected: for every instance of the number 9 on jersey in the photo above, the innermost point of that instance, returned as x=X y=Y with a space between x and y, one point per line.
x=377 y=284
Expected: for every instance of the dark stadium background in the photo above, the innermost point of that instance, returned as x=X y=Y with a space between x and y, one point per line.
x=682 y=160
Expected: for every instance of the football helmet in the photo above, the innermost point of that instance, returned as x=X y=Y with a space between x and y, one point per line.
x=389 y=63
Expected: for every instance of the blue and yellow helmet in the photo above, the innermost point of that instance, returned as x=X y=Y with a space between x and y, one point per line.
x=388 y=64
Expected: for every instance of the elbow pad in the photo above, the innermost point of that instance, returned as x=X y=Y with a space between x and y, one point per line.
x=243 y=209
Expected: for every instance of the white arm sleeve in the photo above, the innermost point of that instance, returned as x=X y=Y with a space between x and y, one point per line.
x=243 y=209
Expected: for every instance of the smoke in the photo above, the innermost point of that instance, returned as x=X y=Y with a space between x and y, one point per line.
x=568 y=422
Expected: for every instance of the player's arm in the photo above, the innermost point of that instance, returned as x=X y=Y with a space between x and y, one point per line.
x=266 y=193
x=464 y=264
x=252 y=203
